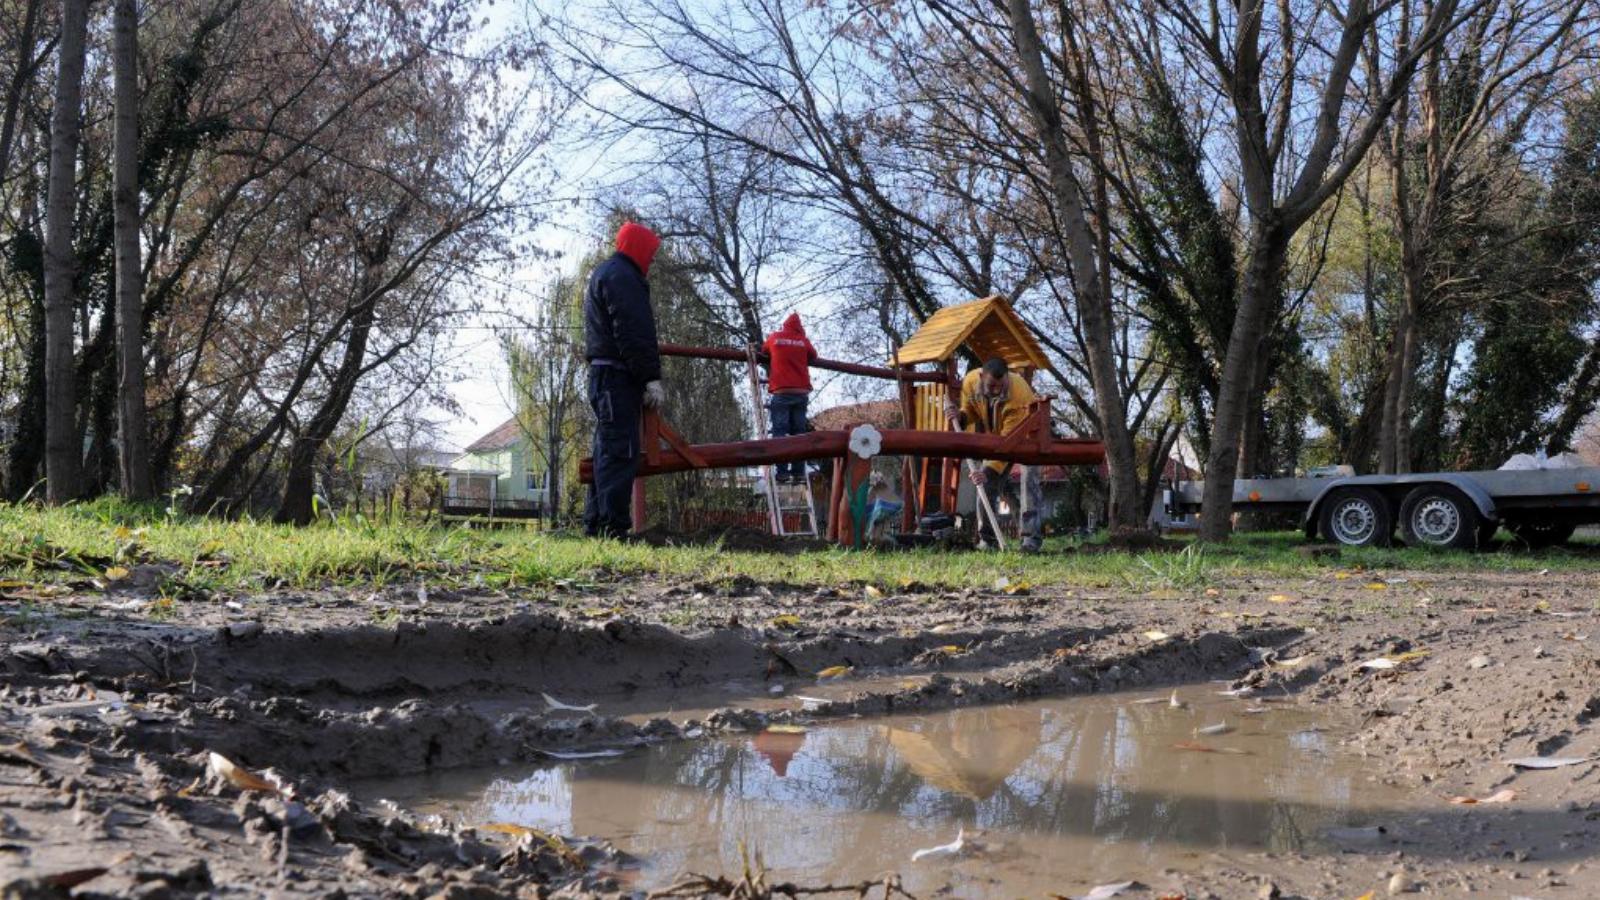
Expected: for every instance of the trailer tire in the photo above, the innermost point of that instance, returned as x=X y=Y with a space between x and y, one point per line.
x=1438 y=515
x=1357 y=517
x=1539 y=535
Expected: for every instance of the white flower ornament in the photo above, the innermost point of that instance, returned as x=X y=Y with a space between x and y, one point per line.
x=865 y=441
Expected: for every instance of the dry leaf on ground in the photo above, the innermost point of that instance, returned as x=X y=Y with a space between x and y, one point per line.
x=241 y=778
x=1547 y=762
x=70 y=879
x=1100 y=892
x=554 y=704
x=20 y=754
x=1503 y=796
x=951 y=849
x=552 y=841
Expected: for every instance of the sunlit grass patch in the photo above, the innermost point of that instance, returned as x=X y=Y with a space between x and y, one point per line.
x=205 y=554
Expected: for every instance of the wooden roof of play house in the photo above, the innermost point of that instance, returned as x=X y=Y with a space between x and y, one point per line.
x=990 y=327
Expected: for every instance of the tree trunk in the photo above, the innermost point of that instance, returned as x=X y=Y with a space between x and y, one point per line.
x=1093 y=299
x=552 y=476
x=1253 y=434
x=1257 y=298
x=63 y=447
x=1394 y=434
x=21 y=80
x=134 y=458
x=1391 y=399
x=26 y=451
x=1160 y=450
x=1579 y=401
x=1410 y=357
x=298 y=484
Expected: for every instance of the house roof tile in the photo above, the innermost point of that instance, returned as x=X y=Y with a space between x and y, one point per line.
x=503 y=436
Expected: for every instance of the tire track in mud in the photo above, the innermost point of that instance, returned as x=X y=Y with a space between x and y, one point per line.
x=323 y=702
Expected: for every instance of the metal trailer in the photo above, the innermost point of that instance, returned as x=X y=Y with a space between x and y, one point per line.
x=1540 y=507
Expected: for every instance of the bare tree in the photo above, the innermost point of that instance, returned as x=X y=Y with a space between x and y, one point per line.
x=134 y=457
x=1463 y=118
x=63 y=448
x=720 y=202
x=1263 y=59
x=1091 y=267
x=547 y=383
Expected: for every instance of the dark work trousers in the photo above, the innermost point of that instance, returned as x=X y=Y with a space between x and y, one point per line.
x=788 y=415
x=616 y=399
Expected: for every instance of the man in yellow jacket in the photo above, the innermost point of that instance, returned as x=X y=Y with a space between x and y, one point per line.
x=995 y=400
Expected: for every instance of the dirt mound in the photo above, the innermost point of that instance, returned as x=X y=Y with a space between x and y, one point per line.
x=108 y=719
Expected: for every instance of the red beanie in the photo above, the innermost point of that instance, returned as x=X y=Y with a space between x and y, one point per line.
x=639 y=244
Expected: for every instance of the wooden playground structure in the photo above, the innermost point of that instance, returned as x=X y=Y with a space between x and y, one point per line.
x=930 y=451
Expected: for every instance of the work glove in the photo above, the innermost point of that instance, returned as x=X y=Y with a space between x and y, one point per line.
x=654 y=395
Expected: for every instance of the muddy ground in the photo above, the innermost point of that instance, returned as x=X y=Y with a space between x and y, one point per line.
x=110 y=708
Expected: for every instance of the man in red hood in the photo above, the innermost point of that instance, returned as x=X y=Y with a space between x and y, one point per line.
x=789 y=386
x=619 y=329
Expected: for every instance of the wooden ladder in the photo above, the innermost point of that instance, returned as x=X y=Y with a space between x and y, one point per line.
x=774 y=493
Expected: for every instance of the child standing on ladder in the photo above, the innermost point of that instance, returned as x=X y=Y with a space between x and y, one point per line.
x=789 y=387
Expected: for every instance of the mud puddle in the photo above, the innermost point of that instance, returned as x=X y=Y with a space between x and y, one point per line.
x=1053 y=796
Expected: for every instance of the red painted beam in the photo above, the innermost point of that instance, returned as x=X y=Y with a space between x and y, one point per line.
x=833 y=365
x=896 y=442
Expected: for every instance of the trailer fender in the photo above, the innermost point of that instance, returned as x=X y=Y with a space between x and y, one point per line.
x=1474 y=491
x=1461 y=482
x=1314 y=509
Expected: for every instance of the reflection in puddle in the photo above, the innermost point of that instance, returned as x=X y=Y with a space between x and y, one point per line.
x=1065 y=792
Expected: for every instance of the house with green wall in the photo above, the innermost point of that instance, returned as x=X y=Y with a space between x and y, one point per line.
x=497 y=474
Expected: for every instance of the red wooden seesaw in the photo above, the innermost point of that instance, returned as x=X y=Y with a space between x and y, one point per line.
x=666 y=451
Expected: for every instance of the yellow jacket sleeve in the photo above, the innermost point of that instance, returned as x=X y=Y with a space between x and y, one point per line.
x=1011 y=413
x=971 y=407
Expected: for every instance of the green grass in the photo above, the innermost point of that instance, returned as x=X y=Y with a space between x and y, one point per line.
x=211 y=555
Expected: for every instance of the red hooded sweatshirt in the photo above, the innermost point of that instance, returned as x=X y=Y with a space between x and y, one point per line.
x=791 y=354
x=639 y=244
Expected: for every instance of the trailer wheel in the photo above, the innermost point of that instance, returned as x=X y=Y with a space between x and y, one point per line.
x=1437 y=515
x=1543 y=534
x=1357 y=517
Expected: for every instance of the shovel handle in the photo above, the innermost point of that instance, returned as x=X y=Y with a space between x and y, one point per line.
x=983 y=498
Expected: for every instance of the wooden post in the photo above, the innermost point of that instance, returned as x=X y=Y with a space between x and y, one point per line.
x=638 y=505
x=857 y=471
x=950 y=471
x=910 y=502
x=835 y=492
